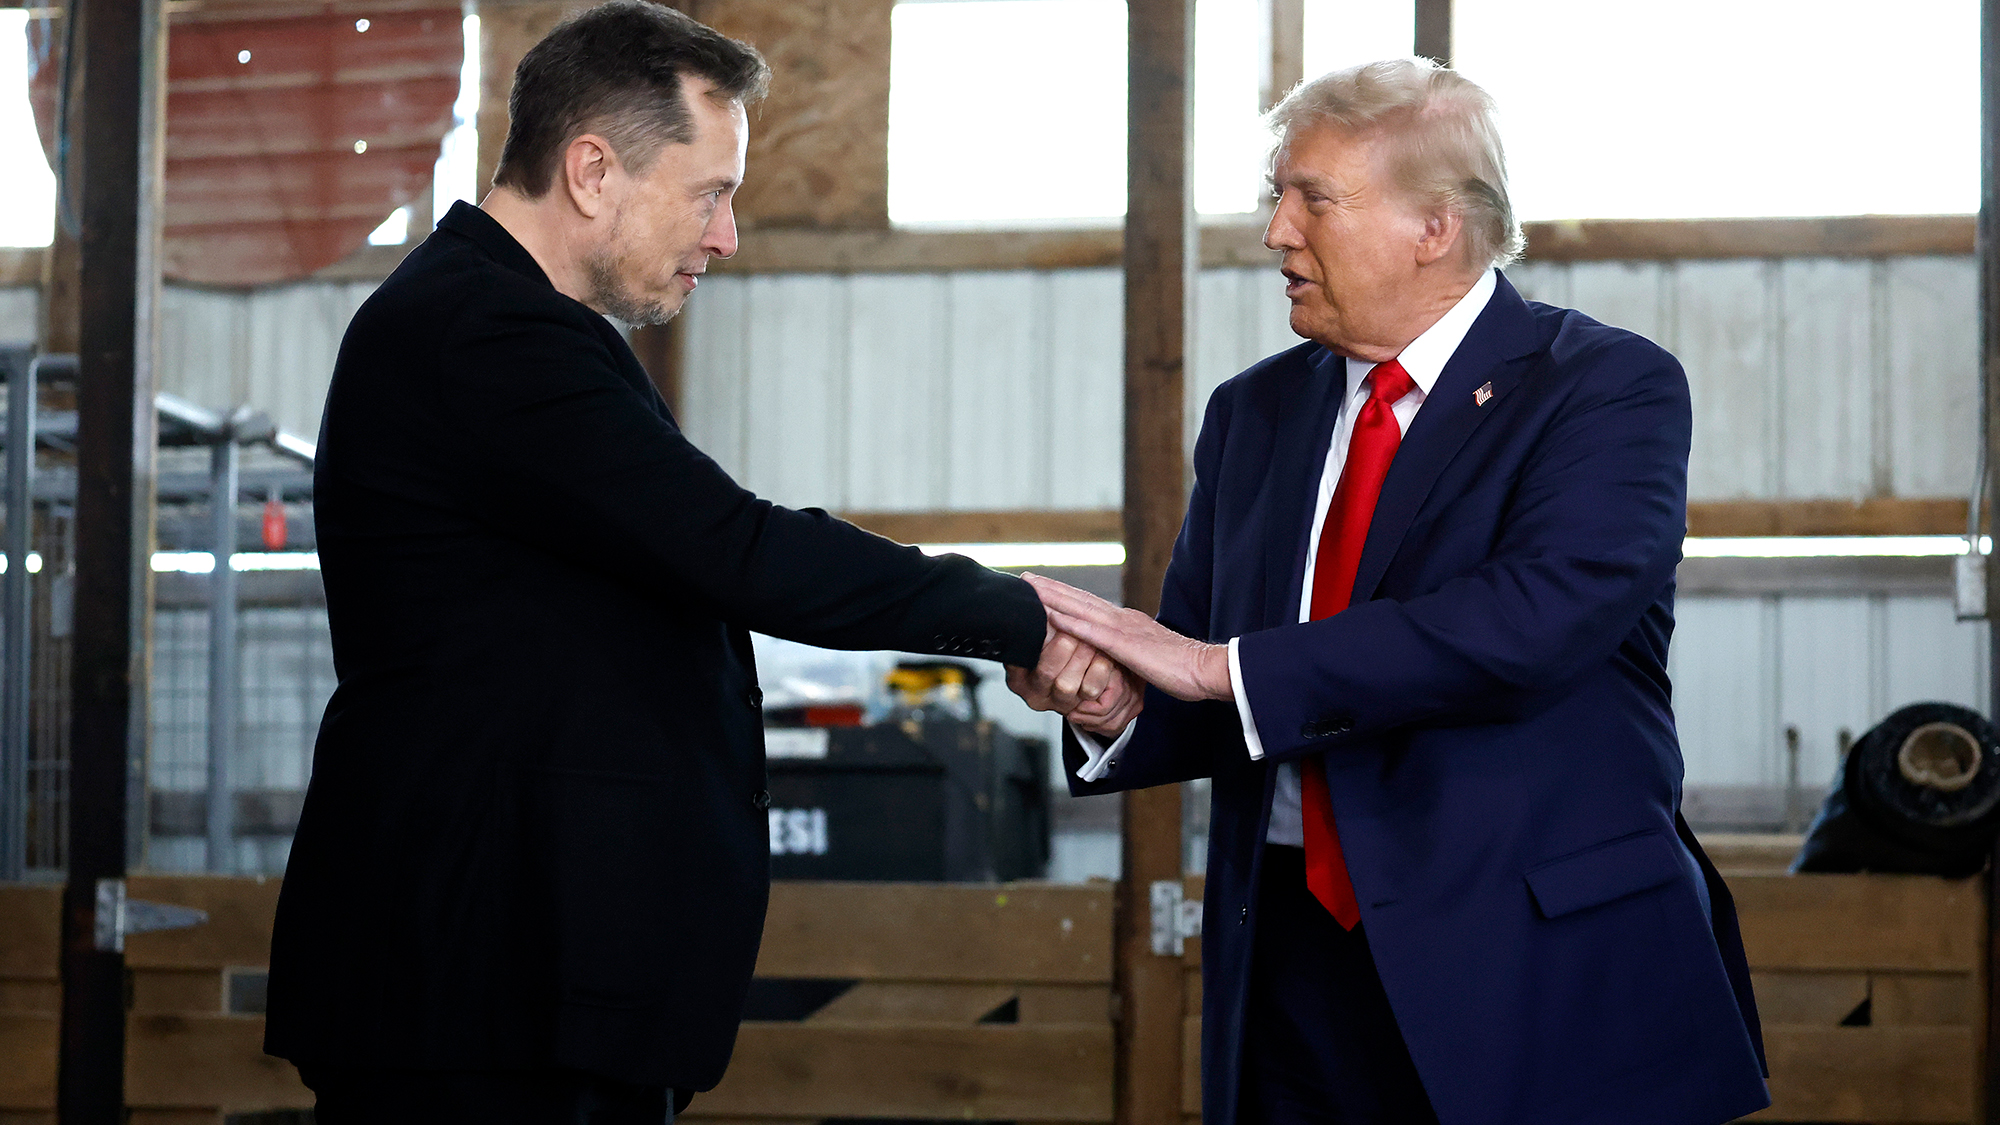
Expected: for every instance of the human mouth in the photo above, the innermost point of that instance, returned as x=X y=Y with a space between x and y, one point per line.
x=690 y=280
x=1294 y=284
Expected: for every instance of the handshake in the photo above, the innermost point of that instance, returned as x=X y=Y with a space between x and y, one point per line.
x=1099 y=657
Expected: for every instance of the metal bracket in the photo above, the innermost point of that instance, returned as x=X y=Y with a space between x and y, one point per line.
x=1174 y=919
x=118 y=916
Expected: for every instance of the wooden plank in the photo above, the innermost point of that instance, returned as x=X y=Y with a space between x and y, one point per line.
x=176 y=990
x=1832 y=922
x=1028 y=933
x=30 y=931
x=1923 y=1000
x=1848 y=236
x=1191 y=1065
x=1724 y=519
x=27 y=1117
x=993 y=1072
x=1433 y=30
x=1877 y=1075
x=30 y=996
x=28 y=1043
x=176 y=1117
x=1014 y=526
x=21 y=265
x=506 y=31
x=1064 y=1003
x=1751 y=853
x=1811 y=999
x=237 y=933
x=207 y=1061
x=1944 y=515
x=896 y=1002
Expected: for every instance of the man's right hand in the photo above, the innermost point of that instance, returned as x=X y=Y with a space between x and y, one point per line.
x=1083 y=685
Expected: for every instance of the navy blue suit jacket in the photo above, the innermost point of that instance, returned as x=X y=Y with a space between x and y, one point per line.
x=1495 y=720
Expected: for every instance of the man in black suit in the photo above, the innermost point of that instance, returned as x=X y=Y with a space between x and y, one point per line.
x=530 y=876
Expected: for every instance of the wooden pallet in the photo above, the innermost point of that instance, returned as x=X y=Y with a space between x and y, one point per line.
x=928 y=964
x=1909 y=948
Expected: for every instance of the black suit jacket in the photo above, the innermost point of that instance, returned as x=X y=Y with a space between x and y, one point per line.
x=535 y=833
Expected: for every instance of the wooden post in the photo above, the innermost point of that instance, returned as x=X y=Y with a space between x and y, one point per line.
x=1434 y=30
x=1160 y=251
x=118 y=207
x=1988 y=243
x=1285 y=53
x=662 y=348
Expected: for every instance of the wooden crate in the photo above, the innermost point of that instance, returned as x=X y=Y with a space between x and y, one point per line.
x=929 y=962
x=1871 y=988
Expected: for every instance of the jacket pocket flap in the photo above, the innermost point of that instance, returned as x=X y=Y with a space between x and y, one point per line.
x=1599 y=874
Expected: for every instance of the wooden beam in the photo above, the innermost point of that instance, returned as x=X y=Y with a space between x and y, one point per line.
x=1284 y=49
x=1916 y=923
x=1161 y=250
x=1943 y=515
x=1433 y=28
x=1232 y=242
x=121 y=47
x=506 y=31
x=1886 y=516
x=1988 y=250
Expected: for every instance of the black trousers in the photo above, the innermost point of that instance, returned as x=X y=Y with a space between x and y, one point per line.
x=425 y=1097
x=1320 y=1044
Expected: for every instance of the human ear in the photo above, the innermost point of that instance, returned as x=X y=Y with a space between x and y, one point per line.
x=1440 y=236
x=587 y=164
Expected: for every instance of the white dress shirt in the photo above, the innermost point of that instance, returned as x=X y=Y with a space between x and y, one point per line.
x=1424 y=360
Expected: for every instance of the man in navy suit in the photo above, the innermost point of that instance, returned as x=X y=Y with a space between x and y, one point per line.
x=1415 y=629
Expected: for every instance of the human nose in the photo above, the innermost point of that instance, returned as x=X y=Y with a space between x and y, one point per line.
x=1281 y=233
x=719 y=239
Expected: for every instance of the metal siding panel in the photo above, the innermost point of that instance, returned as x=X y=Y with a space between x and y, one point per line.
x=1932 y=656
x=1724 y=697
x=1933 y=399
x=1547 y=282
x=716 y=381
x=999 y=448
x=1272 y=312
x=20 y=313
x=1825 y=673
x=1625 y=294
x=294 y=334
x=793 y=444
x=1726 y=345
x=1086 y=403
x=204 y=346
x=1225 y=340
x=1826 y=389
x=898 y=357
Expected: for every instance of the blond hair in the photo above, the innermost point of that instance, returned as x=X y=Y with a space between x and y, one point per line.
x=1444 y=145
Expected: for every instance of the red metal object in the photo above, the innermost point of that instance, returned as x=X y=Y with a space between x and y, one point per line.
x=274 y=524
x=292 y=130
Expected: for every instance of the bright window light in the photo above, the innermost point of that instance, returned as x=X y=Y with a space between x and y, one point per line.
x=1686 y=110
x=980 y=134
x=28 y=188
x=394 y=231
x=1344 y=33
x=458 y=161
x=1033 y=554
x=203 y=562
x=1830 y=546
x=34 y=563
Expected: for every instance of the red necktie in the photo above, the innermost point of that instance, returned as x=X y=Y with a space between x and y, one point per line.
x=1373 y=446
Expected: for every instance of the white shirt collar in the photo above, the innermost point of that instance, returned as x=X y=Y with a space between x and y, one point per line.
x=1426 y=356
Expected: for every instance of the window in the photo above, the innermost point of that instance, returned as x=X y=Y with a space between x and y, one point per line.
x=28 y=190
x=1004 y=112
x=1722 y=107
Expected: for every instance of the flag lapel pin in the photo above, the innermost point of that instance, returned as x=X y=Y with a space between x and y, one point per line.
x=1483 y=395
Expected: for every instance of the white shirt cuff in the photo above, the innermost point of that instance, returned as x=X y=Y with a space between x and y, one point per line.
x=1250 y=738
x=1100 y=759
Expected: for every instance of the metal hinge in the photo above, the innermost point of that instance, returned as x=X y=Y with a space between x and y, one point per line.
x=1174 y=919
x=118 y=916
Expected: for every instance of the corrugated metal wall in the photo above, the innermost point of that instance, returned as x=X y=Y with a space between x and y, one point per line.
x=1811 y=378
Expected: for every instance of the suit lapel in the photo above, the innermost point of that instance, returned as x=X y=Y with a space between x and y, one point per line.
x=1298 y=460
x=1495 y=352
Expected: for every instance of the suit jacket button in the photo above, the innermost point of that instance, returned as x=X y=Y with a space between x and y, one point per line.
x=761 y=799
x=1310 y=730
x=1342 y=724
x=756 y=697
x=1243 y=916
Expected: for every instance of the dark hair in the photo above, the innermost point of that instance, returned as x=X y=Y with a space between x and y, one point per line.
x=616 y=70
